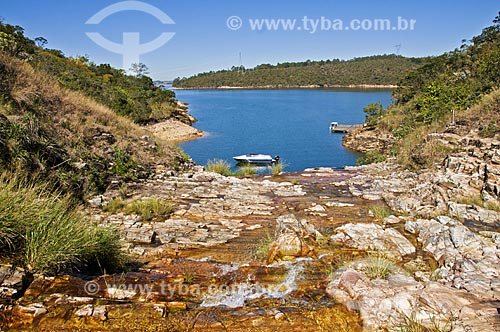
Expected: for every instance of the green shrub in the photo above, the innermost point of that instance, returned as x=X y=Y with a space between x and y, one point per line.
x=124 y=164
x=221 y=167
x=373 y=113
x=370 y=158
x=490 y=130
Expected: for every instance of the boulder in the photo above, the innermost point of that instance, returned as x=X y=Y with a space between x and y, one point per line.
x=374 y=237
x=383 y=304
x=293 y=238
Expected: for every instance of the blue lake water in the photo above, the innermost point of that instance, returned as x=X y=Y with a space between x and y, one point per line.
x=292 y=123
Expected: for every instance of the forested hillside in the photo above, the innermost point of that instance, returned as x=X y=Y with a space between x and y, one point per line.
x=459 y=88
x=373 y=70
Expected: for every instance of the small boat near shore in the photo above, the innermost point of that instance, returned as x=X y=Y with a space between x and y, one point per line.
x=256 y=158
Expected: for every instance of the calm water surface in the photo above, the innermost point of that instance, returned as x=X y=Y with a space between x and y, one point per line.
x=293 y=124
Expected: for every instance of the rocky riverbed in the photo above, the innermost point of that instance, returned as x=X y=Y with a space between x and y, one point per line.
x=432 y=258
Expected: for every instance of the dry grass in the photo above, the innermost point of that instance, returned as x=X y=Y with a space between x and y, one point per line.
x=277 y=168
x=412 y=324
x=70 y=114
x=392 y=119
x=247 y=170
x=477 y=200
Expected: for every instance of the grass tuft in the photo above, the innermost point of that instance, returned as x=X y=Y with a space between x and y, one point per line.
x=247 y=170
x=221 y=167
x=277 y=168
x=48 y=233
x=381 y=212
x=413 y=324
x=477 y=200
x=148 y=208
x=377 y=266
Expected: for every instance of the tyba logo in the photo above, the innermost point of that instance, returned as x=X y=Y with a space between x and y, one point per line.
x=131 y=48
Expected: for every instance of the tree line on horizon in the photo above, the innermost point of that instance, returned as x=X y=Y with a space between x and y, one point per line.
x=371 y=70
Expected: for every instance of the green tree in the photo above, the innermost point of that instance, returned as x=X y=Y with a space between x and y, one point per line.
x=139 y=69
x=373 y=113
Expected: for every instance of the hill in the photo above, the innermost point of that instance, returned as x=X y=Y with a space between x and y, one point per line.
x=373 y=70
x=73 y=123
x=455 y=92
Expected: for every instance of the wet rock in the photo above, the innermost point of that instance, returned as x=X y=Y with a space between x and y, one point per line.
x=176 y=306
x=29 y=311
x=392 y=219
x=374 y=237
x=97 y=311
x=279 y=316
x=293 y=239
x=11 y=281
x=317 y=210
x=62 y=299
x=120 y=293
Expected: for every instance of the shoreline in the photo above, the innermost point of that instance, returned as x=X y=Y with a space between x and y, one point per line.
x=283 y=87
x=174 y=131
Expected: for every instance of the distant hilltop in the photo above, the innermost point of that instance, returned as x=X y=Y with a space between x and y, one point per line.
x=372 y=71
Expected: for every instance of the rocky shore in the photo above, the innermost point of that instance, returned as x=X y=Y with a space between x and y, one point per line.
x=370 y=248
x=174 y=131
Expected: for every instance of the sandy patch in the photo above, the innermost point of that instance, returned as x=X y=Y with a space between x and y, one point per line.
x=174 y=131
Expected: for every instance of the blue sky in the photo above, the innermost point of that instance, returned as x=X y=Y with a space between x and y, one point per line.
x=203 y=41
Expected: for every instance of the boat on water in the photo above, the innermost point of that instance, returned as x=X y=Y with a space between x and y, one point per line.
x=256 y=158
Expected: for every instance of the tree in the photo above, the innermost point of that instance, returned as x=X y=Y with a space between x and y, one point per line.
x=41 y=42
x=139 y=69
x=373 y=113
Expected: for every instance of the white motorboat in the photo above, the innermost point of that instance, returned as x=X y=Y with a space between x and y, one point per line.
x=256 y=158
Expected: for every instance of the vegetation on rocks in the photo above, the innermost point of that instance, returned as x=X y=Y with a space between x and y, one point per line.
x=377 y=266
x=221 y=167
x=373 y=70
x=277 y=168
x=148 y=208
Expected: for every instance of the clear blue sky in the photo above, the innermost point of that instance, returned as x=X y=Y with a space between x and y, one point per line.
x=203 y=41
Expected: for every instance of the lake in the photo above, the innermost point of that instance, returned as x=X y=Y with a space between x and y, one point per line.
x=291 y=123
